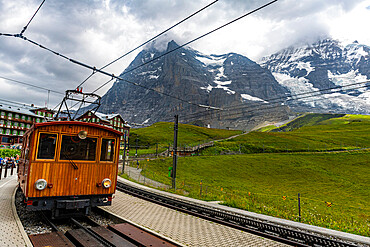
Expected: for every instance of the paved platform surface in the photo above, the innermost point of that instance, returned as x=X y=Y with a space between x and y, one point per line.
x=11 y=229
x=182 y=228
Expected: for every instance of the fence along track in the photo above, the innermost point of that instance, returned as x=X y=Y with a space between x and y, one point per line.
x=264 y=229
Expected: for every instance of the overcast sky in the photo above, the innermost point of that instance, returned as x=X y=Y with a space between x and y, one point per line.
x=96 y=32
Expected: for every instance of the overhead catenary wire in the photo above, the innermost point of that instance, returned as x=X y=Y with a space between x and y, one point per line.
x=25 y=27
x=31 y=85
x=146 y=42
x=17 y=104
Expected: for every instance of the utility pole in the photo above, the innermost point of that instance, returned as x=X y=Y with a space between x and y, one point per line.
x=124 y=153
x=137 y=160
x=176 y=128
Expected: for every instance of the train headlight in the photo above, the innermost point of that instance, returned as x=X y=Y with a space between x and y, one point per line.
x=106 y=183
x=41 y=184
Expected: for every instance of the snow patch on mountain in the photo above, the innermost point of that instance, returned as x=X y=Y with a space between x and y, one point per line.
x=306 y=66
x=298 y=54
x=355 y=52
x=209 y=88
x=353 y=78
x=293 y=84
x=252 y=98
x=219 y=76
x=208 y=60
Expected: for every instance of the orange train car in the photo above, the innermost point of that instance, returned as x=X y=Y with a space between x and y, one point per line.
x=68 y=166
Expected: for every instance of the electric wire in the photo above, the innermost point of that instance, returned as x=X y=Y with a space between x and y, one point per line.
x=25 y=27
x=16 y=104
x=31 y=85
x=146 y=42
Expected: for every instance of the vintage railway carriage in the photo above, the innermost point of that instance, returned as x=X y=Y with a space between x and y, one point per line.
x=68 y=166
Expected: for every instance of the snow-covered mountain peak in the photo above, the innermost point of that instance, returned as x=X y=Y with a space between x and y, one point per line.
x=323 y=65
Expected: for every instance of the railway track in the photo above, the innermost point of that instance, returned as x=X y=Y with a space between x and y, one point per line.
x=87 y=233
x=268 y=230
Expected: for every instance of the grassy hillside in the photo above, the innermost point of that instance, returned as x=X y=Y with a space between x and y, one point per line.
x=258 y=182
x=162 y=133
x=347 y=132
x=310 y=119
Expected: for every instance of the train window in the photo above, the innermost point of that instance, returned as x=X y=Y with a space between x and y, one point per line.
x=74 y=148
x=107 y=150
x=47 y=143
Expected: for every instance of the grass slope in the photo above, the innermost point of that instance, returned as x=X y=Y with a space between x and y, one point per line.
x=162 y=133
x=347 y=132
x=309 y=119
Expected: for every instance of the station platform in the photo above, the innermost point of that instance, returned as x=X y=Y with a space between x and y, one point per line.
x=183 y=229
x=11 y=229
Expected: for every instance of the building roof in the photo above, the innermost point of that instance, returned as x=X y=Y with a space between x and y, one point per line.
x=106 y=117
x=19 y=110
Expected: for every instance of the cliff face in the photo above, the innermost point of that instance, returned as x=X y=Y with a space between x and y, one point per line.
x=223 y=81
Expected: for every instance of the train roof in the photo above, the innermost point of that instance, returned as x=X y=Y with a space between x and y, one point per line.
x=37 y=125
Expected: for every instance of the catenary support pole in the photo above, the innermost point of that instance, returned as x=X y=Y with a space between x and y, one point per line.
x=299 y=206
x=176 y=128
x=124 y=153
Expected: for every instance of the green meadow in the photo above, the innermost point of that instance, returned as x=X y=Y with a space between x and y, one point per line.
x=325 y=161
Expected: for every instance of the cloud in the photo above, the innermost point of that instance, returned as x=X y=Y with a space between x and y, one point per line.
x=97 y=32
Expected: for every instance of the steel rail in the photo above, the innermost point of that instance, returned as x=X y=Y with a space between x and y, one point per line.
x=92 y=233
x=48 y=221
x=271 y=231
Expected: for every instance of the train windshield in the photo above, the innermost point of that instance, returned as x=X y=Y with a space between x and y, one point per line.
x=47 y=143
x=107 y=150
x=74 y=148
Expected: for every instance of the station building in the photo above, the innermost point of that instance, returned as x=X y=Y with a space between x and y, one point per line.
x=16 y=120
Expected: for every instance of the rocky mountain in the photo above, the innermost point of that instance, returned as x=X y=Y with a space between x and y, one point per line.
x=230 y=81
x=318 y=67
